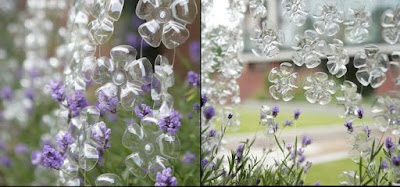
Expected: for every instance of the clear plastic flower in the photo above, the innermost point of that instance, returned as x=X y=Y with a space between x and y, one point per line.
x=386 y=110
x=108 y=179
x=267 y=40
x=258 y=8
x=372 y=66
x=319 y=88
x=163 y=78
x=395 y=63
x=391 y=28
x=361 y=144
x=123 y=75
x=150 y=148
x=105 y=12
x=349 y=178
x=328 y=18
x=283 y=80
x=309 y=49
x=348 y=97
x=295 y=11
x=357 y=22
x=338 y=58
x=267 y=119
x=166 y=21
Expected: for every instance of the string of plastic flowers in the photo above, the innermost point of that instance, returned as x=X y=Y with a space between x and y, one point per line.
x=221 y=66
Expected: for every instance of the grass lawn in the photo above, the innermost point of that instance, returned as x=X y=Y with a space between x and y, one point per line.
x=249 y=119
x=328 y=173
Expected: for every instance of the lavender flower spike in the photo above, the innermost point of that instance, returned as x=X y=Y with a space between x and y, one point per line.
x=306 y=141
x=146 y=110
x=165 y=178
x=52 y=158
x=64 y=141
x=57 y=90
x=193 y=79
x=171 y=123
x=76 y=102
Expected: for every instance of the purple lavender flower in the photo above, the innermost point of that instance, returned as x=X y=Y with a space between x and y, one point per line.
x=212 y=133
x=189 y=158
x=349 y=126
x=36 y=157
x=146 y=87
x=107 y=103
x=190 y=115
x=33 y=73
x=194 y=51
x=76 y=102
x=209 y=112
x=367 y=130
x=165 y=178
x=306 y=141
x=146 y=110
x=275 y=111
x=301 y=159
x=307 y=166
x=57 y=90
x=383 y=165
x=101 y=134
x=289 y=147
x=52 y=158
x=396 y=161
x=21 y=149
x=196 y=107
x=5 y=161
x=296 y=114
x=193 y=79
x=317 y=183
x=6 y=93
x=29 y=94
x=360 y=113
x=204 y=162
x=239 y=153
x=287 y=123
x=64 y=141
x=203 y=100
x=171 y=123
x=389 y=144
x=133 y=40
x=276 y=126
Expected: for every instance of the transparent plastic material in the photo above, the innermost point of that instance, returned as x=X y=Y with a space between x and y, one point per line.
x=389 y=21
x=386 y=111
x=348 y=97
x=258 y=8
x=166 y=21
x=328 y=18
x=124 y=75
x=357 y=22
x=319 y=88
x=309 y=49
x=150 y=148
x=295 y=11
x=163 y=79
x=267 y=119
x=338 y=58
x=267 y=40
x=395 y=67
x=108 y=179
x=372 y=66
x=283 y=82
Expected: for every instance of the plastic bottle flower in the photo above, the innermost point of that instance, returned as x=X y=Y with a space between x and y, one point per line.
x=150 y=147
x=163 y=78
x=349 y=98
x=108 y=179
x=395 y=63
x=327 y=19
x=105 y=12
x=357 y=23
x=284 y=82
x=319 y=88
x=361 y=143
x=267 y=118
x=386 y=110
x=391 y=28
x=166 y=21
x=338 y=58
x=123 y=75
x=258 y=8
x=295 y=11
x=267 y=40
x=309 y=49
x=372 y=66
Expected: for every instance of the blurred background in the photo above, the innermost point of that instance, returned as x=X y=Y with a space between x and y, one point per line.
x=26 y=122
x=330 y=149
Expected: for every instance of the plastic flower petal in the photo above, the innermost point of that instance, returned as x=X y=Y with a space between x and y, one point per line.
x=284 y=82
x=166 y=21
x=338 y=58
x=295 y=11
x=389 y=21
x=319 y=88
x=267 y=40
x=309 y=49
x=395 y=63
x=327 y=19
x=372 y=66
x=386 y=110
x=349 y=98
x=258 y=8
x=357 y=23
